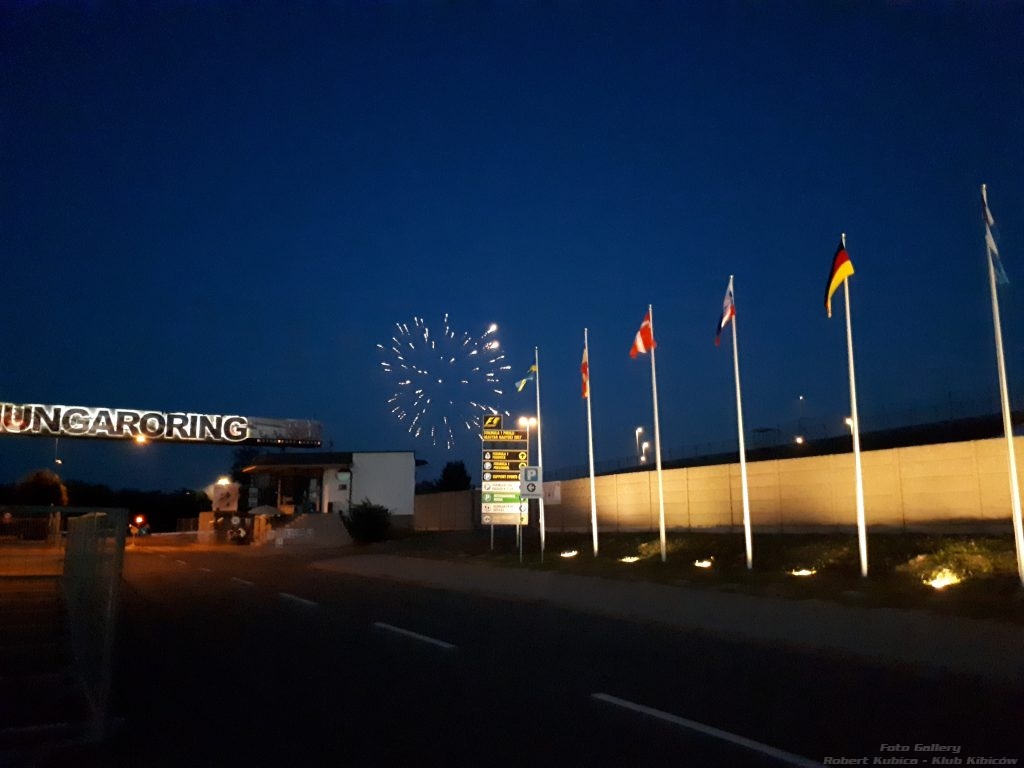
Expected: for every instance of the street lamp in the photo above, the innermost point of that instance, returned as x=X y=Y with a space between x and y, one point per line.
x=527 y=422
x=639 y=431
x=643 y=454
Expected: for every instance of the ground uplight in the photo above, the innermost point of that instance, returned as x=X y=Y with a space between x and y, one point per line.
x=570 y=553
x=943 y=578
x=803 y=572
x=628 y=559
x=703 y=563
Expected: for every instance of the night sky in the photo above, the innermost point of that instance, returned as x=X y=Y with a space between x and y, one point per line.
x=226 y=207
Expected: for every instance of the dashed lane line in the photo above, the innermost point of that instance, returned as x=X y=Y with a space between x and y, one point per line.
x=243 y=581
x=299 y=600
x=414 y=635
x=740 y=741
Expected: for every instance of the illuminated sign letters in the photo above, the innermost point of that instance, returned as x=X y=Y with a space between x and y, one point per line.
x=75 y=421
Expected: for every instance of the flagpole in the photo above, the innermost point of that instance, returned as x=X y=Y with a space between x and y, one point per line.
x=1018 y=528
x=743 y=449
x=590 y=447
x=862 y=538
x=657 y=443
x=540 y=449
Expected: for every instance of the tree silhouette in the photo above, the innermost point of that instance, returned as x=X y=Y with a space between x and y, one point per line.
x=454 y=477
x=42 y=488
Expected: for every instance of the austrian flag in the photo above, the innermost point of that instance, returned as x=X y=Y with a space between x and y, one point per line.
x=585 y=370
x=644 y=341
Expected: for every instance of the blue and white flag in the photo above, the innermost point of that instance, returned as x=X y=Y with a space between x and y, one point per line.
x=728 y=313
x=990 y=241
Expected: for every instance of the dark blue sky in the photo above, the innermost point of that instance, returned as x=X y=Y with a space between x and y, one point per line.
x=225 y=207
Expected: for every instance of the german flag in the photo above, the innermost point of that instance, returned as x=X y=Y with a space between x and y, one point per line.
x=842 y=268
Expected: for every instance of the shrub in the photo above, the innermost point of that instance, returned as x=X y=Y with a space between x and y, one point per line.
x=367 y=522
x=961 y=558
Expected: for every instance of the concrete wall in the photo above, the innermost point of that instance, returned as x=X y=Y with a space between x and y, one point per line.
x=387 y=478
x=948 y=486
x=453 y=511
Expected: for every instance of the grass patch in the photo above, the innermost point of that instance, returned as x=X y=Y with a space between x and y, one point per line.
x=899 y=564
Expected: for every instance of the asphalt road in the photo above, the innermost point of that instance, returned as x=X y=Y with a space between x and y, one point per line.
x=234 y=658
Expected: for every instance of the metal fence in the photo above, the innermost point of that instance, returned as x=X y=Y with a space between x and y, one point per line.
x=92 y=579
x=80 y=552
x=31 y=543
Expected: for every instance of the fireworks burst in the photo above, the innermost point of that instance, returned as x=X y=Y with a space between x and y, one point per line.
x=444 y=381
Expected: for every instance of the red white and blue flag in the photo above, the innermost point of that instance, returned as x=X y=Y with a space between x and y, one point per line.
x=728 y=312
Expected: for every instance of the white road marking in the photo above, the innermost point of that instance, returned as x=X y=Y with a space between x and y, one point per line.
x=181 y=562
x=298 y=599
x=414 y=635
x=243 y=581
x=707 y=730
x=206 y=570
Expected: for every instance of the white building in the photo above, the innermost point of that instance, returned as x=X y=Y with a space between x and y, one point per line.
x=329 y=483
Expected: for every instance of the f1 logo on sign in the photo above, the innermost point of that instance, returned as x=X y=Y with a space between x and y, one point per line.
x=531 y=484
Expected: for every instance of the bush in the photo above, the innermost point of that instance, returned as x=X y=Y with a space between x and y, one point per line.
x=367 y=522
x=964 y=559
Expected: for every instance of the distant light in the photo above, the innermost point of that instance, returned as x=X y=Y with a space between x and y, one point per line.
x=799 y=440
x=803 y=572
x=570 y=553
x=703 y=563
x=943 y=578
x=58 y=461
x=629 y=559
x=848 y=421
x=140 y=439
x=139 y=519
x=224 y=480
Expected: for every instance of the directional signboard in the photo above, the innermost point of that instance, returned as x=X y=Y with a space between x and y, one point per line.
x=530 y=483
x=503 y=453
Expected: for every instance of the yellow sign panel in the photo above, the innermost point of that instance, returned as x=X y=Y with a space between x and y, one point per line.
x=505 y=434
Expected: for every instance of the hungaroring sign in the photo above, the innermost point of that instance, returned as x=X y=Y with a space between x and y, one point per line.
x=128 y=424
x=503 y=453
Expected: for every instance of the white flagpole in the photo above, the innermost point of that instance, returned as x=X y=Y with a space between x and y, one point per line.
x=862 y=536
x=540 y=449
x=743 y=449
x=1018 y=528
x=657 y=443
x=590 y=446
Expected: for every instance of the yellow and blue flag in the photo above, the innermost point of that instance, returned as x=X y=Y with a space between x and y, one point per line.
x=531 y=374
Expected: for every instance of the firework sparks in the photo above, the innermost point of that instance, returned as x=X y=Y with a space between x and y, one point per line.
x=444 y=381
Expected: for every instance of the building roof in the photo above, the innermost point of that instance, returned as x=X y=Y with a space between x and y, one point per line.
x=279 y=462
x=276 y=462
